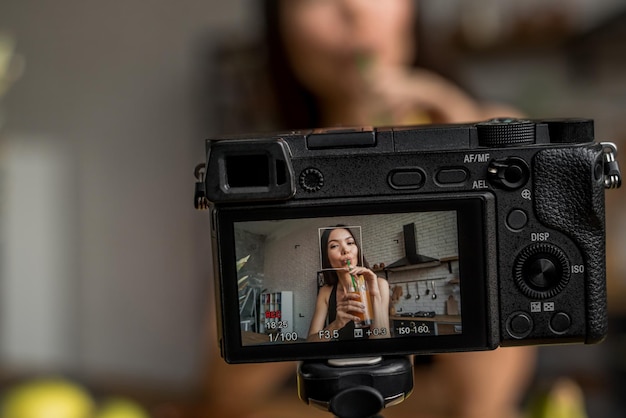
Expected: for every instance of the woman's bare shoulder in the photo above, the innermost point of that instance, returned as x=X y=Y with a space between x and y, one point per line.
x=382 y=281
x=325 y=291
x=383 y=284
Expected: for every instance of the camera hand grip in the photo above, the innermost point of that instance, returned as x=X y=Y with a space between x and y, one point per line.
x=570 y=198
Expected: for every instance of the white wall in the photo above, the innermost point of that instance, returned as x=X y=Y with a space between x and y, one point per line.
x=38 y=267
x=105 y=264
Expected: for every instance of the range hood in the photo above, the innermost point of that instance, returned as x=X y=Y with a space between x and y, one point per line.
x=412 y=259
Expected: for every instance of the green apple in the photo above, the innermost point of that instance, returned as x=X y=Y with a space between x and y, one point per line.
x=47 y=398
x=564 y=399
x=121 y=408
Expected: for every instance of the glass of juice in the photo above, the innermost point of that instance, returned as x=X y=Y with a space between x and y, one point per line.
x=365 y=318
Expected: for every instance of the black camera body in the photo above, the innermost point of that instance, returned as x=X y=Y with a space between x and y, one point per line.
x=509 y=212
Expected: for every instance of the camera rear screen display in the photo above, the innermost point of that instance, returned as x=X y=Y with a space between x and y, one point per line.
x=363 y=278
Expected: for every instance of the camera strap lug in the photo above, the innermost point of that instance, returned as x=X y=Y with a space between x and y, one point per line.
x=200 y=201
x=612 y=174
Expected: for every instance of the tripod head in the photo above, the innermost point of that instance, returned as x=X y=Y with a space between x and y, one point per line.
x=355 y=387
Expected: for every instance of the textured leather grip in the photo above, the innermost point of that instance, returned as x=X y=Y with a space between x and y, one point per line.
x=570 y=198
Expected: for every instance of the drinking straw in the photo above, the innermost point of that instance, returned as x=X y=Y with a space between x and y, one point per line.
x=352 y=276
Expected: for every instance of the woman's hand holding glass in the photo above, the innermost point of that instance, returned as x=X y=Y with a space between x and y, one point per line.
x=346 y=307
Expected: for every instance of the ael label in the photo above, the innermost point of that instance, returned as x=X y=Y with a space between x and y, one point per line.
x=479 y=184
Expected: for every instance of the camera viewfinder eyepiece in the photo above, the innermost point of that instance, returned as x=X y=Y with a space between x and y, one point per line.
x=249 y=170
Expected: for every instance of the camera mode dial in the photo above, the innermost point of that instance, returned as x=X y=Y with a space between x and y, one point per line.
x=505 y=132
x=541 y=271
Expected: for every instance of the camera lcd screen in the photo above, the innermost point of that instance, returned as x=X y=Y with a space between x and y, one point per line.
x=360 y=279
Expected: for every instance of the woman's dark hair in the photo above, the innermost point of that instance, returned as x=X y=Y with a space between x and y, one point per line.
x=330 y=276
x=296 y=106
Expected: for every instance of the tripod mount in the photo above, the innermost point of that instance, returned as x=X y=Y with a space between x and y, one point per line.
x=355 y=387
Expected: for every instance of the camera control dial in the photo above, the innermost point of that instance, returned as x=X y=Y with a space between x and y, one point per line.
x=541 y=271
x=505 y=132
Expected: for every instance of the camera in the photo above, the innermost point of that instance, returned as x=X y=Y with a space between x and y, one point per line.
x=469 y=236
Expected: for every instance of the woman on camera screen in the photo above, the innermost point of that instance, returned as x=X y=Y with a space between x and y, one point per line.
x=354 y=302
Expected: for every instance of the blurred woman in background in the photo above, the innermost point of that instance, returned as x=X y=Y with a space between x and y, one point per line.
x=347 y=63
x=357 y=63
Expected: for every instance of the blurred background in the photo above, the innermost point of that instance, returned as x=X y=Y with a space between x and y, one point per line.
x=105 y=268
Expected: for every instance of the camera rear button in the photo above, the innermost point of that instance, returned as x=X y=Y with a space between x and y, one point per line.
x=560 y=323
x=406 y=178
x=455 y=175
x=517 y=219
x=519 y=325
